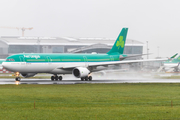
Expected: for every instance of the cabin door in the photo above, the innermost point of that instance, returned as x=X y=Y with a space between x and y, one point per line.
x=85 y=61
x=49 y=60
x=23 y=63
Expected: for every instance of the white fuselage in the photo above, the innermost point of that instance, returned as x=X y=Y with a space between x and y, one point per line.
x=51 y=67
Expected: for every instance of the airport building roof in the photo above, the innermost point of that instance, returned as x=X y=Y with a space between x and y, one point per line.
x=15 y=40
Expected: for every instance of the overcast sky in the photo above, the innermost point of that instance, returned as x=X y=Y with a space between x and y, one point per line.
x=155 y=21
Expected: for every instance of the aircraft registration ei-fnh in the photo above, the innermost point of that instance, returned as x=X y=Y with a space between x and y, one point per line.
x=80 y=65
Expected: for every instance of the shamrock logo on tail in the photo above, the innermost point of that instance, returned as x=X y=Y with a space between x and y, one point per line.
x=120 y=42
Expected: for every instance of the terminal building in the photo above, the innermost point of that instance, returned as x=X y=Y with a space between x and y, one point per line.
x=14 y=44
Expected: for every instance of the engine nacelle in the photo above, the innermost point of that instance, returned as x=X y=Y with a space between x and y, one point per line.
x=80 y=72
x=26 y=75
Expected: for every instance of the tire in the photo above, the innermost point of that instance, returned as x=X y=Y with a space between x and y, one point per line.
x=52 y=78
x=17 y=78
x=56 y=78
x=82 y=79
x=60 y=78
x=86 y=78
x=90 y=78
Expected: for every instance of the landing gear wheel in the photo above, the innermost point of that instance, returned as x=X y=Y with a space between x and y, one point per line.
x=82 y=79
x=90 y=78
x=56 y=78
x=86 y=78
x=52 y=78
x=60 y=78
x=17 y=78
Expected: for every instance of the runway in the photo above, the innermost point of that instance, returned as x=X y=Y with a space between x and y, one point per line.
x=123 y=80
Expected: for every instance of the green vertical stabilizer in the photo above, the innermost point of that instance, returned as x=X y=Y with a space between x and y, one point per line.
x=118 y=47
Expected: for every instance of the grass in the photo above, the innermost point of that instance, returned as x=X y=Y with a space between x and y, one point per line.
x=90 y=101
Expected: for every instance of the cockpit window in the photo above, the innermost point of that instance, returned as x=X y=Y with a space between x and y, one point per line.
x=9 y=59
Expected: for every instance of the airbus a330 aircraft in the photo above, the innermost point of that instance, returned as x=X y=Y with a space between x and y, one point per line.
x=80 y=65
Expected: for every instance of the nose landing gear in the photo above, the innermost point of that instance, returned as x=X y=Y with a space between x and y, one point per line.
x=17 y=76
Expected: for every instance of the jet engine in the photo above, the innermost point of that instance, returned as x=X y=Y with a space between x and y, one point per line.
x=26 y=75
x=80 y=72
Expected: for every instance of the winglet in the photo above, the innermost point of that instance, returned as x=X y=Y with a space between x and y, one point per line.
x=174 y=56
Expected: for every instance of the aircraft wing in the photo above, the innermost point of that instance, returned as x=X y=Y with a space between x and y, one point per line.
x=124 y=62
x=92 y=64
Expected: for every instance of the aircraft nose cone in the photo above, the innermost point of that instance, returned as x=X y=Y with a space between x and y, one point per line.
x=5 y=65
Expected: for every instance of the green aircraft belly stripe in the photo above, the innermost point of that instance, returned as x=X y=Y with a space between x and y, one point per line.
x=98 y=60
x=55 y=60
x=71 y=60
x=35 y=60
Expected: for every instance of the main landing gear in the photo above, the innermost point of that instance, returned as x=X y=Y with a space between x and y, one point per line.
x=17 y=76
x=56 y=78
x=86 y=78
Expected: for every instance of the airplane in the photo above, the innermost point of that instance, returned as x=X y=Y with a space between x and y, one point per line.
x=80 y=65
x=171 y=65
